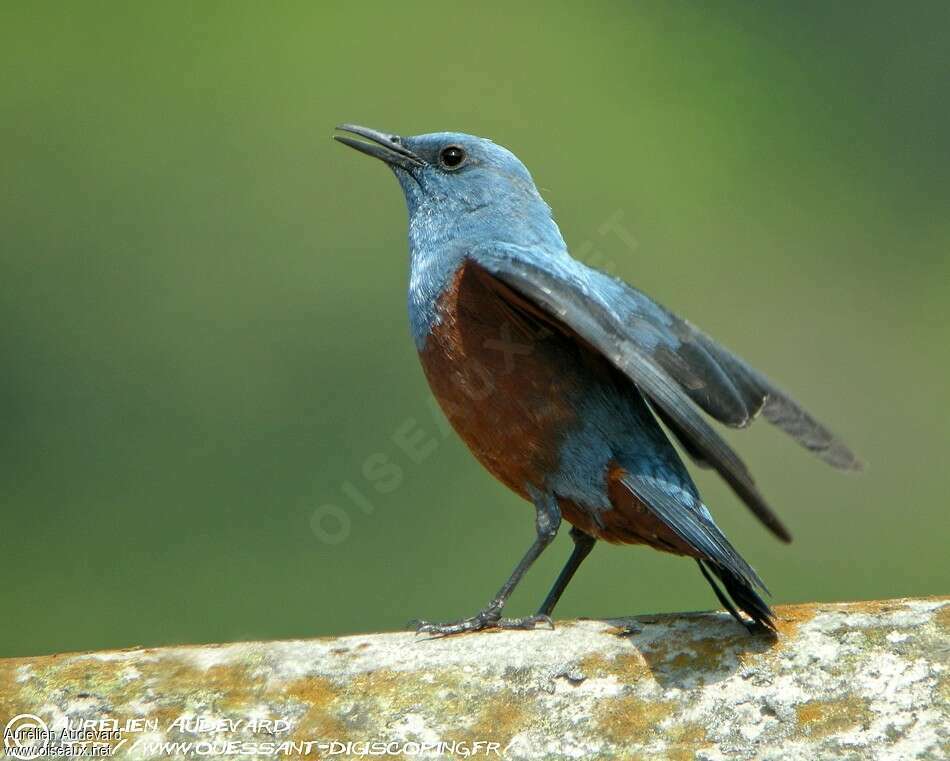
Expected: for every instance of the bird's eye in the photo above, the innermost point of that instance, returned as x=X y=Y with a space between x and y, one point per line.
x=451 y=157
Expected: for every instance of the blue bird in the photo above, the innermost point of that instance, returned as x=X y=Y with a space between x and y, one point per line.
x=558 y=376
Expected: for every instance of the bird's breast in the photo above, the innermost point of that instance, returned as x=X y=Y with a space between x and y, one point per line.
x=504 y=379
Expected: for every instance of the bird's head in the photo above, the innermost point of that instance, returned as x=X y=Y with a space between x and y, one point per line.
x=460 y=186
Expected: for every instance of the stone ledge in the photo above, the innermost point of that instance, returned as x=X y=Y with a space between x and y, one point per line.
x=843 y=680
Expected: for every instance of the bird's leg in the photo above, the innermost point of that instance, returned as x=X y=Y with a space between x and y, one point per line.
x=583 y=544
x=547 y=521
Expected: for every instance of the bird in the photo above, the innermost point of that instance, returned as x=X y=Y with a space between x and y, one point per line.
x=567 y=384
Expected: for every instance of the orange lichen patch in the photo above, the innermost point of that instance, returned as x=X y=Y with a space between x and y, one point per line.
x=75 y=677
x=163 y=713
x=348 y=709
x=876 y=636
x=706 y=658
x=627 y=719
x=123 y=684
x=9 y=689
x=711 y=654
x=874 y=607
x=365 y=698
x=73 y=674
x=790 y=617
x=871 y=607
x=499 y=718
x=392 y=690
x=942 y=618
x=321 y=697
x=819 y=718
x=685 y=740
x=630 y=667
x=943 y=687
x=690 y=733
x=230 y=686
x=595 y=665
x=626 y=667
x=682 y=658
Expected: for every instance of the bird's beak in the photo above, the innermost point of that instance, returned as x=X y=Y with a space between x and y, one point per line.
x=388 y=148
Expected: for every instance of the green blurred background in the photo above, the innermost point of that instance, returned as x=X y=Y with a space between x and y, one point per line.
x=202 y=297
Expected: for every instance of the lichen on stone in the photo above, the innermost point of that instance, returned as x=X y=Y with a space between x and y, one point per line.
x=850 y=680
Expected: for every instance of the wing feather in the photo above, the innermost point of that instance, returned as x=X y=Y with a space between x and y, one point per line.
x=691 y=522
x=679 y=368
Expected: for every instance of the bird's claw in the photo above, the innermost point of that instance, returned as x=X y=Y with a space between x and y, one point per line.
x=527 y=622
x=490 y=618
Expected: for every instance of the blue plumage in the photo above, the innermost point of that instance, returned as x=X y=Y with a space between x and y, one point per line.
x=568 y=418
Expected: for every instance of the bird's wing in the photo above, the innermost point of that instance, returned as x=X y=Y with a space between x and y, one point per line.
x=691 y=521
x=677 y=367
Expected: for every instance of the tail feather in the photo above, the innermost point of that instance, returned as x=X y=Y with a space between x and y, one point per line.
x=690 y=530
x=743 y=594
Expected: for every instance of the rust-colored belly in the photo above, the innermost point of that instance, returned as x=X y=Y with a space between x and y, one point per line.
x=508 y=379
x=504 y=379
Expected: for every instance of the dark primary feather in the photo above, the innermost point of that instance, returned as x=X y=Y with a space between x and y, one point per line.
x=689 y=519
x=744 y=595
x=741 y=484
x=676 y=366
x=727 y=388
x=784 y=412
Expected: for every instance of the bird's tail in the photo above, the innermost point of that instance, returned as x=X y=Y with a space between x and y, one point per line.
x=673 y=518
x=742 y=594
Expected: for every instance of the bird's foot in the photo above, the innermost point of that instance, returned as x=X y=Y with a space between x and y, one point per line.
x=490 y=618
